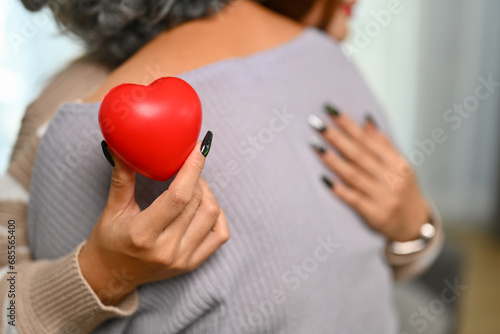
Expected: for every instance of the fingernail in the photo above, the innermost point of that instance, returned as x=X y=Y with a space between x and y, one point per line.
x=327 y=182
x=370 y=119
x=318 y=144
x=317 y=123
x=332 y=110
x=107 y=155
x=206 y=143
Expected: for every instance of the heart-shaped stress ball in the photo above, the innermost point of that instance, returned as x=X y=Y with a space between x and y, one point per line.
x=153 y=128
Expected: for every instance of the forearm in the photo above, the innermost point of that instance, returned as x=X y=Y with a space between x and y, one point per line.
x=111 y=282
x=42 y=291
x=53 y=297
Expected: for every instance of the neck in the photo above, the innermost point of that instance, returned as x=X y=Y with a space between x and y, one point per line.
x=242 y=28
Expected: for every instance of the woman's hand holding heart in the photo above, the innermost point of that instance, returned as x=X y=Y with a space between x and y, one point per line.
x=375 y=179
x=174 y=235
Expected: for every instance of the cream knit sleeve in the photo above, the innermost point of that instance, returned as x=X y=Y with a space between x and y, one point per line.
x=45 y=296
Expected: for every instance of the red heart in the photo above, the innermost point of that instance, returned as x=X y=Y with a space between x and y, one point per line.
x=153 y=128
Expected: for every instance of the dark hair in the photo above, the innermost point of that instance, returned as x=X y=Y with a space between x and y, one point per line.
x=113 y=30
x=298 y=9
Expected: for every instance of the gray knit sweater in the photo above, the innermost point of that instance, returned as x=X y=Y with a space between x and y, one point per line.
x=298 y=261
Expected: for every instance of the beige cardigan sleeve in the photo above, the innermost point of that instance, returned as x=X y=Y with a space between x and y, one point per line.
x=51 y=296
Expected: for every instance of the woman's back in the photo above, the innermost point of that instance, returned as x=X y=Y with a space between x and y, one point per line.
x=298 y=261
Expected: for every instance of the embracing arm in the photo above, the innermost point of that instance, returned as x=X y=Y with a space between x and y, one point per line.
x=77 y=292
x=53 y=297
x=46 y=296
x=378 y=183
x=49 y=295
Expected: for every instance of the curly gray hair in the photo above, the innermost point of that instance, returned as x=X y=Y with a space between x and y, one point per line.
x=113 y=30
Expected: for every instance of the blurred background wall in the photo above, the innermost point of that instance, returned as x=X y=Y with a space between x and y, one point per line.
x=424 y=61
x=31 y=50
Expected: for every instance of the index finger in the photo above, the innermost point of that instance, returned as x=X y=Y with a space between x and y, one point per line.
x=358 y=135
x=346 y=123
x=187 y=177
x=180 y=192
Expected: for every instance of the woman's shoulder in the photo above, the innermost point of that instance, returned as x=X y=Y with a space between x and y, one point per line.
x=76 y=80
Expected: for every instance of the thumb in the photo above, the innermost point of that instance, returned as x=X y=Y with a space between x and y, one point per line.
x=122 y=188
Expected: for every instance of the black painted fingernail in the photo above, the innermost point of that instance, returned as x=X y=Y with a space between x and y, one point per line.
x=327 y=181
x=332 y=110
x=206 y=143
x=317 y=123
x=318 y=145
x=369 y=118
x=107 y=155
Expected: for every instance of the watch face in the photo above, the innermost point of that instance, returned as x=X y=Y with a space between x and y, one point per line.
x=427 y=231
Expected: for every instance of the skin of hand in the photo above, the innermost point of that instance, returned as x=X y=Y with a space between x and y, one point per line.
x=376 y=180
x=174 y=235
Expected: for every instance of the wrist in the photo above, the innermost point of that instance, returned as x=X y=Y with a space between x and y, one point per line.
x=109 y=284
x=411 y=229
x=426 y=232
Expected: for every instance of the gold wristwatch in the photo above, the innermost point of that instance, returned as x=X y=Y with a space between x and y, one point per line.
x=427 y=232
